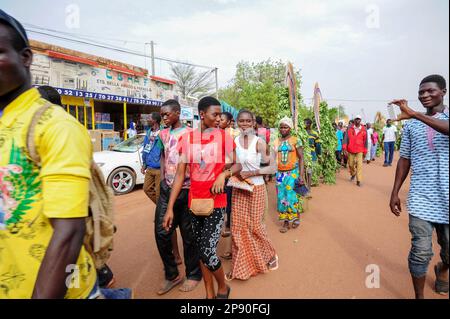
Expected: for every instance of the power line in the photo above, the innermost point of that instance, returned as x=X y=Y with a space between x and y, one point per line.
x=117 y=49
x=362 y=101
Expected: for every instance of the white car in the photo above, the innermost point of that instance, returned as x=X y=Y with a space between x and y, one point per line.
x=121 y=166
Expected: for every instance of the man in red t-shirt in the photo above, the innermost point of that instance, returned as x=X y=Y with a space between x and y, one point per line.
x=355 y=146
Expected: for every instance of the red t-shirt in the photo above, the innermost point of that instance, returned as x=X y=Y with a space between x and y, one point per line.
x=206 y=154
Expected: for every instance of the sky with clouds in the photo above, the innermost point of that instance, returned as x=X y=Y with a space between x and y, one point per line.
x=362 y=52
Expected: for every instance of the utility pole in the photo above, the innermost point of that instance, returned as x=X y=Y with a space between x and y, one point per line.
x=217 y=82
x=152 y=44
x=152 y=56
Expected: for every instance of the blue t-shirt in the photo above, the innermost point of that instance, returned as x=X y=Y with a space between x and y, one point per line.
x=428 y=152
x=340 y=137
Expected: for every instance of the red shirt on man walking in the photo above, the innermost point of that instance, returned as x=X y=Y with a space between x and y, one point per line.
x=355 y=144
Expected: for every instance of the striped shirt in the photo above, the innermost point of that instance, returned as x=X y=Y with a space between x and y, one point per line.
x=428 y=152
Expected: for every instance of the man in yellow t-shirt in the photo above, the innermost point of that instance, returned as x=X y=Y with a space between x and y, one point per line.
x=42 y=208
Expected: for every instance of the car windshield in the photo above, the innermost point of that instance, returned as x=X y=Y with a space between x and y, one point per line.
x=131 y=145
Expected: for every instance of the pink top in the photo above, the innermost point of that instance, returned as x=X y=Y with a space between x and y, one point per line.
x=375 y=137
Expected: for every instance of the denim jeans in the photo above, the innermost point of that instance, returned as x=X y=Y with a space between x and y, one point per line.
x=389 y=148
x=421 y=245
x=100 y=293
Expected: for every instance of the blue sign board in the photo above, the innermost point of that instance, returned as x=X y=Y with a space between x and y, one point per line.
x=107 y=97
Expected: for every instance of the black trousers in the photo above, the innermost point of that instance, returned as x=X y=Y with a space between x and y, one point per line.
x=229 y=192
x=339 y=156
x=182 y=219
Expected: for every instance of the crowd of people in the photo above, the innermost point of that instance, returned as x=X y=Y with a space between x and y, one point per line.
x=210 y=174
x=358 y=143
x=198 y=178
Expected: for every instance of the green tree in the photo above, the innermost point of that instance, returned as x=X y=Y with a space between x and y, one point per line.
x=337 y=113
x=256 y=87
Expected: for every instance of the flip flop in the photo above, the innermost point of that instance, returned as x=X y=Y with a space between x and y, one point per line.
x=169 y=285
x=228 y=277
x=285 y=227
x=296 y=223
x=273 y=265
x=226 y=296
x=440 y=286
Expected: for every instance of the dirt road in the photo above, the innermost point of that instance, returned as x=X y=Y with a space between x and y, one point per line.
x=346 y=229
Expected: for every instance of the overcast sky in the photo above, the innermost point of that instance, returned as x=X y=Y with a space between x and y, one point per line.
x=356 y=49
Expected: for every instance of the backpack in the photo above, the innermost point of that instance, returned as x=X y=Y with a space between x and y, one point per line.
x=100 y=228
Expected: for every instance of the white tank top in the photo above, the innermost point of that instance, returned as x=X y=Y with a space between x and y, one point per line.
x=250 y=159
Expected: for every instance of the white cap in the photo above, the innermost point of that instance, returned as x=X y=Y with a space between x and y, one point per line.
x=358 y=117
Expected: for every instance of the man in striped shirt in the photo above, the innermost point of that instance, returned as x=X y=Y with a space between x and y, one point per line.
x=425 y=151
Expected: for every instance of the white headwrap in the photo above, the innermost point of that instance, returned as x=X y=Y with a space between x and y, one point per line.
x=287 y=121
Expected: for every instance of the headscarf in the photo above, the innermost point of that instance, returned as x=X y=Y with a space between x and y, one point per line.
x=287 y=121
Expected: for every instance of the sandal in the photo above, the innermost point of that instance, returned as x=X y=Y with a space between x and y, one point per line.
x=285 y=228
x=440 y=286
x=296 y=223
x=227 y=256
x=169 y=285
x=273 y=264
x=226 y=296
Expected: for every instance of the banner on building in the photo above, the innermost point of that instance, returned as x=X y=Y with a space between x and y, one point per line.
x=291 y=83
x=317 y=101
x=87 y=81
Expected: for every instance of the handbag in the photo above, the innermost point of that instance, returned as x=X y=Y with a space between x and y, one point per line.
x=245 y=185
x=202 y=207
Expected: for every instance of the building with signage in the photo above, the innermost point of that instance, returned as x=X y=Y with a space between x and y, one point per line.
x=100 y=93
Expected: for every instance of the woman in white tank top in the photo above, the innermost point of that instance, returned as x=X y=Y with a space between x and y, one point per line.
x=252 y=251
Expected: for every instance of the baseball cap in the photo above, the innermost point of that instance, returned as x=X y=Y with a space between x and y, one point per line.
x=16 y=25
x=358 y=117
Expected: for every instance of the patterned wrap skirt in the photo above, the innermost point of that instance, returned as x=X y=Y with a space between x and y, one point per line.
x=251 y=248
x=289 y=202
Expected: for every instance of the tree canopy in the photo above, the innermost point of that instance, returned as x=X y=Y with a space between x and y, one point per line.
x=256 y=86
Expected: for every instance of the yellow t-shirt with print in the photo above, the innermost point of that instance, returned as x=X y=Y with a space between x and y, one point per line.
x=30 y=196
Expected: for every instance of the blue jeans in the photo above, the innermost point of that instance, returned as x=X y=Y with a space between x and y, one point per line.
x=421 y=245
x=100 y=293
x=389 y=148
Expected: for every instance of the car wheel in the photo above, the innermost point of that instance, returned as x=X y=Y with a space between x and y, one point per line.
x=122 y=181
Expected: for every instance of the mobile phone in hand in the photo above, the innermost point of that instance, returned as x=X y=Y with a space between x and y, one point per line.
x=391 y=111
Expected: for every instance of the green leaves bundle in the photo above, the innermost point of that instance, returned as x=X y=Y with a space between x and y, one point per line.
x=327 y=160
